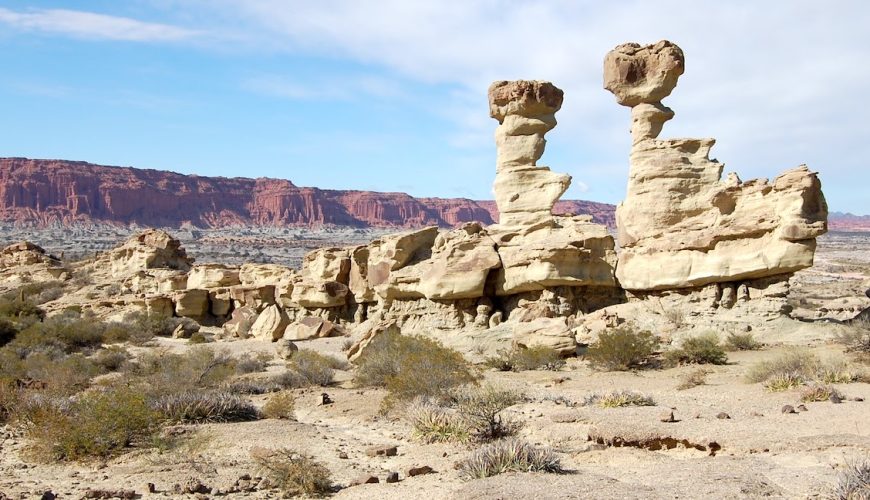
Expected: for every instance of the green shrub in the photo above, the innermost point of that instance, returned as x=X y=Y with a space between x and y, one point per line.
x=197 y=338
x=60 y=333
x=522 y=359
x=280 y=406
x=434 y=423
x=22 y=310
x=204 y=406
x=700 y=350
x=411 y=367
x=780 y=382
x=293 y=473
x=509 y=455
x=622 y=349
x=742 y=342
x=798 y=364
x=65 y=375
x=619 y=399
x=96 y=425
x=111 y=359
x=200 y=367
x=8 y=331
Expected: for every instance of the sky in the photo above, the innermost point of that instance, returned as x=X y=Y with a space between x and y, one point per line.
x=390 y=95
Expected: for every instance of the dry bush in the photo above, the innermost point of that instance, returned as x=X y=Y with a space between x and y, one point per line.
x=280 y=406
x=434 y=423
x=742 y=342
x=522 y=359
x=20 y=310
x=693 y=378
x=204 y=406
x=294 y=473
x=200 y=367
x=61 y=375
x=197 y=338
x=856 y=339
x=509 y=455
x=619 y=399
x=797 y=366
x=818 y=392
x=9 y=395
x=252 y=363
x=96 y=425
x=411 y=367
x=853 y=482
x=701 y=350
x=111 y=359
x=481 y=409
x=311 y=368
x=60 y=333
x=622 y=349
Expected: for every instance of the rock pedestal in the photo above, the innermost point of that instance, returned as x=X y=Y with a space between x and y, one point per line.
x=681 y=225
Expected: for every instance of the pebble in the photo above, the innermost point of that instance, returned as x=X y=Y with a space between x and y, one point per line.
x=419 y=471
x=788 y=409
x=393 y=477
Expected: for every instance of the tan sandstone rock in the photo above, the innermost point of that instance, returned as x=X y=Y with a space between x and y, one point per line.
x=191 y=303
x=270 y=324
x=681 y=225
x=212 y=276
x=153 y=248
x=526 y=110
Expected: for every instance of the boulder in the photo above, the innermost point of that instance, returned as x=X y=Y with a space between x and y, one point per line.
x=552 y=333
x=239 y=325
x=212 y=276
x=159 y=305
x=321 y=294
x=150 y=249
x=256 y=297
x=270 y=324
x=312 y=327
x=220 y=302
x=191 y=303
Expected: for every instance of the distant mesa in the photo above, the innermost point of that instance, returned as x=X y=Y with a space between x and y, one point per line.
x=44 y=192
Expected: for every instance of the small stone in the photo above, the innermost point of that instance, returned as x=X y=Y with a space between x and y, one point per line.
x=325 y=399
x=342 y=455
x=393 y=477
x=419 y=471
x=364 y=479
x=264 y=484
x=836 y=399
x=723 y=416
x=48 y=495
x=788 y=409
x=858 y=399
x=150 y=488
x=385 y=451
x=802 y=408
x=756 y=414
x=667 y=416
x=747 y=328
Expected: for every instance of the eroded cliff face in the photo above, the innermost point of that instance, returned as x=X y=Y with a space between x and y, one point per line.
x=57 y=191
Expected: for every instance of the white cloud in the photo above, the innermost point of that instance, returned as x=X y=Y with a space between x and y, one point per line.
x=778 y=83
x=94 y=26
x=339 y=88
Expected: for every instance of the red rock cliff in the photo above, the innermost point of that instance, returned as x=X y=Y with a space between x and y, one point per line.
x=59 y=191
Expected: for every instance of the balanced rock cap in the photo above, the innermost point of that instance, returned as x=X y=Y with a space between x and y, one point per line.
x=638 y=74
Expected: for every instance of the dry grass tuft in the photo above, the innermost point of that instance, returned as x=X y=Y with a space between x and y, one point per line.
x=280 y=406
x=619 y=399
x=509 y=455
x=693 y=378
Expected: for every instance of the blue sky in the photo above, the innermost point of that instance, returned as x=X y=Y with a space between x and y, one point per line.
x=390 y=95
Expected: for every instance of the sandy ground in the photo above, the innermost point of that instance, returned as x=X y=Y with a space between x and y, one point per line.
x=763 y=453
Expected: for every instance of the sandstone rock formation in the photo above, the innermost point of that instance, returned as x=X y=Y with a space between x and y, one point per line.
x=153 y=248
x=682 y=225
x=693 y=247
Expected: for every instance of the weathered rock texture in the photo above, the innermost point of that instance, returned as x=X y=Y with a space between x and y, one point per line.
x=58 y=191
x=682 y=225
